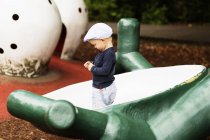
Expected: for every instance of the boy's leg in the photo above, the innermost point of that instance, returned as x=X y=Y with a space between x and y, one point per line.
x=103 y=97
x=97 y=101
x=109 y=94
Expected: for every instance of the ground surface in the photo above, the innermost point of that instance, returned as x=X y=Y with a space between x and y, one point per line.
x=158 y=53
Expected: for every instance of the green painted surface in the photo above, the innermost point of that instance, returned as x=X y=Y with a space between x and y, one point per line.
x=128 y=35
x=57 y=116
x=128 y=56
x=180 y=113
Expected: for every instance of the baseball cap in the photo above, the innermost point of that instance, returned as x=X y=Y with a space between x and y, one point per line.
x=98 y=31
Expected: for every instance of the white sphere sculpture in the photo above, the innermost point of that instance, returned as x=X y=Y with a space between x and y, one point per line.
x=29 y=32
x=74 y=15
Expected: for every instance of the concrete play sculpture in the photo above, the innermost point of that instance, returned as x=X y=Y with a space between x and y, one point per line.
x=74 y=15
x=151 y=104
x=177 y=111
x=128 y=56
x=29 y=32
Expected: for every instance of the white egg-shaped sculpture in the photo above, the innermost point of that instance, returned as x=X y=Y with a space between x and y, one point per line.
x=29 y=33
x=74 y=15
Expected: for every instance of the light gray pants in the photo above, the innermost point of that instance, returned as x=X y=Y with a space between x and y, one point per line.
x=103 y=97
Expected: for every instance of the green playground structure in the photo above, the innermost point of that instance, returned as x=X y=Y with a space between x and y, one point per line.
x=179 y=113
x=128 y=56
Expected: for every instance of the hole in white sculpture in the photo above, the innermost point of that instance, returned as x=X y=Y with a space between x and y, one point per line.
x=61 y=41
x=50 y=1
x=15 y=17
x=13 y=46
x=80 y=10
x=1 y=51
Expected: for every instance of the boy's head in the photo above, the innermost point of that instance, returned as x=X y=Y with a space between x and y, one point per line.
x=99 y=35
x=98 y=31
x=101 y=44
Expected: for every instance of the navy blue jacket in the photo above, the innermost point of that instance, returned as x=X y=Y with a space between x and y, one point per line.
x=104 y=69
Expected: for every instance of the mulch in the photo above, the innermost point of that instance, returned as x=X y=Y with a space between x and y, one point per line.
x=159 y=53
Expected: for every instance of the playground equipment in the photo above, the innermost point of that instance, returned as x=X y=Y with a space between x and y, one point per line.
x=151 y=104
x=28 y=29
x=181 y=112
x=128 y=56
x=74 y=16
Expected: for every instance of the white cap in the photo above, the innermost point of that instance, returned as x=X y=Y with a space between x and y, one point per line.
x=98 y=31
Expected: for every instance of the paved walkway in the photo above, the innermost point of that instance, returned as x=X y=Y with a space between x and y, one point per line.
x=189 y=33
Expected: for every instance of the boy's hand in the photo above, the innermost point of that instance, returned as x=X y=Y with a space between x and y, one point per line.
x=88 y=65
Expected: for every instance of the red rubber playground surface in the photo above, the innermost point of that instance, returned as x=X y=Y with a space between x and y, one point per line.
x=61 y=73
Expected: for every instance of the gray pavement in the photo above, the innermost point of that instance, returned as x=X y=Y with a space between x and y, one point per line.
x=189 y=33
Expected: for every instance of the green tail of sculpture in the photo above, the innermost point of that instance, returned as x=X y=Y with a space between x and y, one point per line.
x=128 y=56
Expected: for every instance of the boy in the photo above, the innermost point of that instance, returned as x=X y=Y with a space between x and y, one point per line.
x=103 y=67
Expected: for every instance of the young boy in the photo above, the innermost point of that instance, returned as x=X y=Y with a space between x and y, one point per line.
x=103 y=67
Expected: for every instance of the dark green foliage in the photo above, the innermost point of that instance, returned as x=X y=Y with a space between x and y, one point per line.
x=154 y=13
x=103 y=10
x=150 y=11
x=188 y=10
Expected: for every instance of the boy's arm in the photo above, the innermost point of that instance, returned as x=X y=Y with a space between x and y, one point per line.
x=106 y=67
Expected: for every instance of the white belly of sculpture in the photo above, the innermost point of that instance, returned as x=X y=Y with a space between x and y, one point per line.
x=131 y=86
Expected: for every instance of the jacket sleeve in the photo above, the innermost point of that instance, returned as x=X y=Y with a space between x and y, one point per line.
x=105 y=69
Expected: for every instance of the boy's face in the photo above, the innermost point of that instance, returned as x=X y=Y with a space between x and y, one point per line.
x=98 y=44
